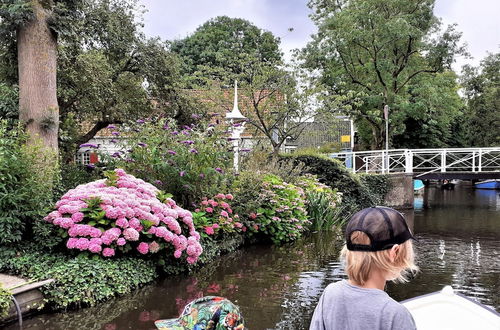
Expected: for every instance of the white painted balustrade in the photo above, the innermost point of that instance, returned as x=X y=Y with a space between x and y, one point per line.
x=422 y=161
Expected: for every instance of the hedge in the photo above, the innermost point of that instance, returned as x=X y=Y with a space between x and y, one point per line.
x=358 y=193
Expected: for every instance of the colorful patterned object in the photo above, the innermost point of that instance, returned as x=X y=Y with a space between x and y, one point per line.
x=206 y=313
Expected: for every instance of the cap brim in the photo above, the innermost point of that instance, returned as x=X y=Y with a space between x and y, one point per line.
x=170 y=324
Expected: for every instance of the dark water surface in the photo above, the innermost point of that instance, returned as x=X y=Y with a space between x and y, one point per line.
x=278 y=287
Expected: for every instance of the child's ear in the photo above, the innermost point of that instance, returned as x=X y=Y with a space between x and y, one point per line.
x=393 y=252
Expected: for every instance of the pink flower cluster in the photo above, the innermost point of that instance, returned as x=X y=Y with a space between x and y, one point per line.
x=133 y=216
x=219 y=215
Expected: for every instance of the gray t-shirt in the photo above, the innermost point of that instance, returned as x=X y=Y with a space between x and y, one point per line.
x=343 y=306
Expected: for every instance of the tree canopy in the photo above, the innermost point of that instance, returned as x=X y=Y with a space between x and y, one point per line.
x=223 y=48
x=376 y=50
x=482 y=92
x=108 y=71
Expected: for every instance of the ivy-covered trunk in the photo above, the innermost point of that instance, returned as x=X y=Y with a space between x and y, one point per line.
x=37 y=65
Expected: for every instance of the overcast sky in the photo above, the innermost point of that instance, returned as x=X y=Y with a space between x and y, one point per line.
x=174 y=19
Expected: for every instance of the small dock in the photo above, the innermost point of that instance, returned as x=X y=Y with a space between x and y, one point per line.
x=26 y=293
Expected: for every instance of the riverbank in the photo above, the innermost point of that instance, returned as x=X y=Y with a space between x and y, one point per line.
x=87 y=281
x=277 y=212
x=278 y=286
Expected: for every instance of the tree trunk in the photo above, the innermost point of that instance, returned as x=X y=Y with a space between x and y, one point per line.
x=378 y=138
x=37 y=63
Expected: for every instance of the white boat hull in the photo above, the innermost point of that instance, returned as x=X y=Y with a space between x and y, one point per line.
x=446 y=309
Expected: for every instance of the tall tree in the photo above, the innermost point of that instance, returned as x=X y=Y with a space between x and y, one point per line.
x=110 y=73
x=223 y=48
x=37 y=64
x=375 y=50
x=430 y=112
x=482 y=93
x=34 y=25
x=277 y=109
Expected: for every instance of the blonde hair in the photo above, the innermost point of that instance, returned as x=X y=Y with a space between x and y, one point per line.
x=359 y=264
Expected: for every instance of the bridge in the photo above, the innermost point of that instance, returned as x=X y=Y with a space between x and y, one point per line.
x=447 y=163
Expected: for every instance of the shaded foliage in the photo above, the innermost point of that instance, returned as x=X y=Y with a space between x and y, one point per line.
x=334 y=174
x=482 y=92
x=78 y=281
x=26 y=189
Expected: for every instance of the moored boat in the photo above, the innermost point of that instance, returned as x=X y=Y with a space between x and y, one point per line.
x=488 y=184
x=447 y=309
x=418 y=186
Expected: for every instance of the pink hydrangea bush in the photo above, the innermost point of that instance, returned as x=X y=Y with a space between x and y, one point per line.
x=122 y=214
x=214 y=216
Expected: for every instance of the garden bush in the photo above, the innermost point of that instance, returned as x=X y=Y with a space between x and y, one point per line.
x=9 y=104
x=261 y=163
x=273 y=209
x=355 y=195
x=74 y=174
x=5 y=300
x=324 y=204
x=189 y=162
x=123 y=214
x=378 y=186
x=26 y=184
x=79 y=281
x=214 y=217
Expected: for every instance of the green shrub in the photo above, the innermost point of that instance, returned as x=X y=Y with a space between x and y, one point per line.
x=378 y=185
x=270 y=208
x=213 y=248
x=5 y=300
x=9 y=105
x=215 y=217
x=324 y=204
x=188 y=162
x=74 y=174
x=78 y=281
x=333 y=173
x=26 y=184
x=262 y=163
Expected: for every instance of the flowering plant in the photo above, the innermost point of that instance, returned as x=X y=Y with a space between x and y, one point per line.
x=281 y=214
x=323 y=203
x=121 y=214
x=213 y=217
x=187 y=161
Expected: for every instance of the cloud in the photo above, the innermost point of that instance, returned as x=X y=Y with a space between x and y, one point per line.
x=174 y=19
x=171 y=19
x=478 y=20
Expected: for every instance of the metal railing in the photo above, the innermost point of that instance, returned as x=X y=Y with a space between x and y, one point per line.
x=422 y=161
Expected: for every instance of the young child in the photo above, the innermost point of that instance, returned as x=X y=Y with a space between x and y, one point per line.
x=378 y=249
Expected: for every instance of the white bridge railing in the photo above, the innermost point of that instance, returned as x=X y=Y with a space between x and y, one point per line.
x=422 y=161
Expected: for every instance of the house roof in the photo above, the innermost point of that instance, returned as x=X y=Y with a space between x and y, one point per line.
x=218 y=99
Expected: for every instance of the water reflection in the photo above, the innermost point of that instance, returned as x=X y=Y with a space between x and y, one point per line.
x=278 y=287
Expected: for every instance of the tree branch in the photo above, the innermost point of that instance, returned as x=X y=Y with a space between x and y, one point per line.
x=411 y=77
x=354 y=80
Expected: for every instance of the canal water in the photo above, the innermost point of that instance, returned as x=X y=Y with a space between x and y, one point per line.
x=278 y=287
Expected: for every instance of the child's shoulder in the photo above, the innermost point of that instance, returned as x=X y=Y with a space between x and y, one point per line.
x=335 y=287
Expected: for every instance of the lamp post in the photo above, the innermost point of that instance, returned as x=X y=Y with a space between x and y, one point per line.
x=237 y=123
x=386 y=116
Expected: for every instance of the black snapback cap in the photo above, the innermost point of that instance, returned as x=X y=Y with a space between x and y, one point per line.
x=384 y=226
